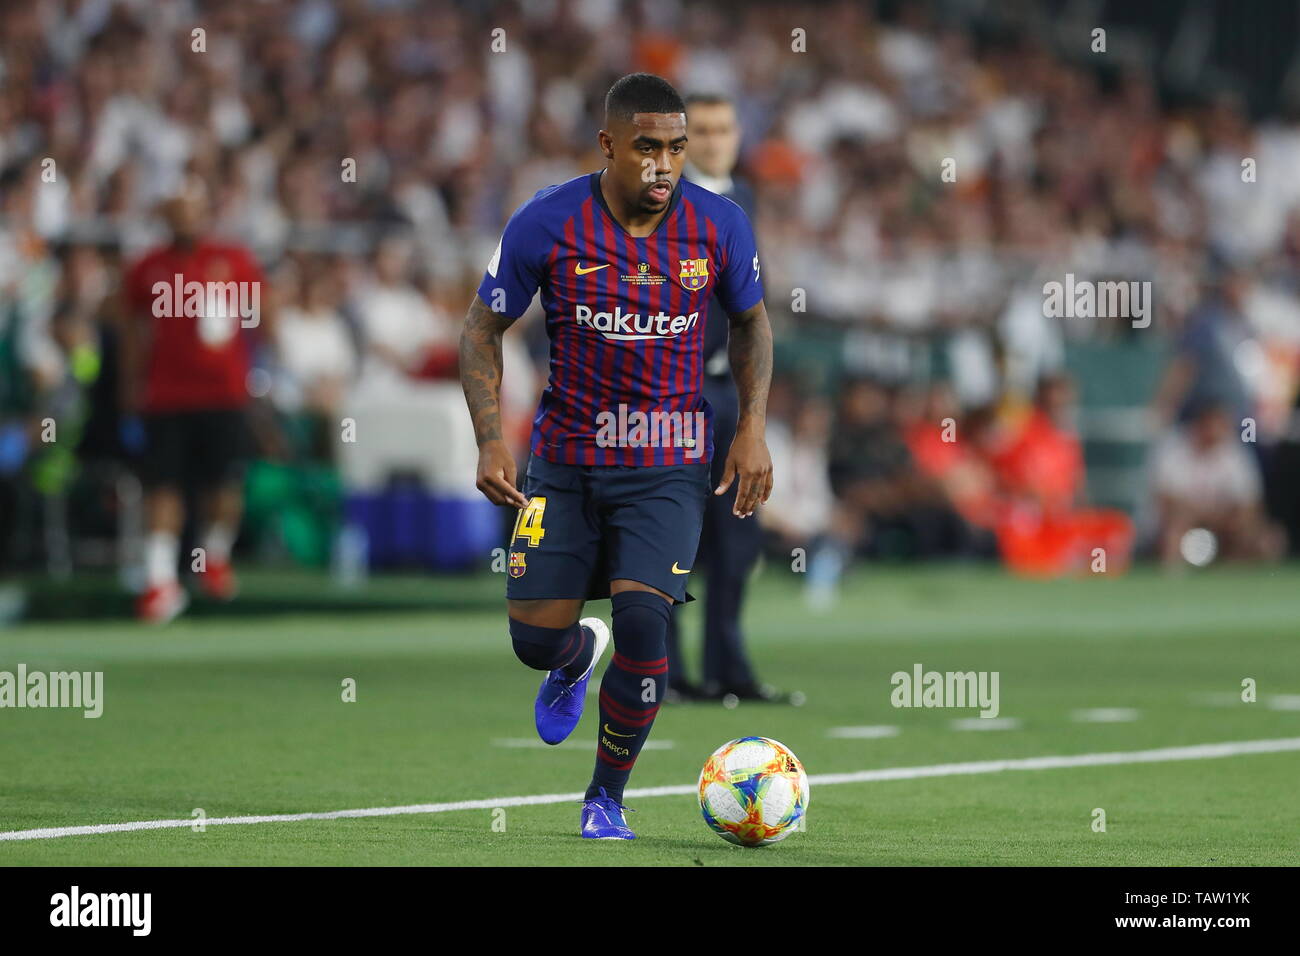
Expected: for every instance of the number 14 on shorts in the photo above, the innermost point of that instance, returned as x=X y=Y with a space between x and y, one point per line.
x=529 y=523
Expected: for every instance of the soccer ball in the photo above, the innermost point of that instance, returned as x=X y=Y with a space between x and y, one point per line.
x=753 y=791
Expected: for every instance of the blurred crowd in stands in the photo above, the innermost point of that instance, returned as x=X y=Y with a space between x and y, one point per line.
x=919 y=178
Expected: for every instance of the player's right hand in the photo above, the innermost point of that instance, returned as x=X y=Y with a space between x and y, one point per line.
x=496 y=475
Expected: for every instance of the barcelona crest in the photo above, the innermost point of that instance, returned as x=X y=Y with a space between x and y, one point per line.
x=517 y=564
x=693 y=274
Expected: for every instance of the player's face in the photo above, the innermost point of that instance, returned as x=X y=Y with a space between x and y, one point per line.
x=646 y=158
x=715 y=138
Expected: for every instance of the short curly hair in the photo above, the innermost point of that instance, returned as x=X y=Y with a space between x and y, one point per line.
x=641 y=93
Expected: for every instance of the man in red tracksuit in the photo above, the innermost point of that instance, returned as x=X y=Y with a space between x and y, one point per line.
x=190 y=308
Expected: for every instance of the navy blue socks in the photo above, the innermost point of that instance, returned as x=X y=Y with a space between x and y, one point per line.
x=553 y=648
x=632 y=688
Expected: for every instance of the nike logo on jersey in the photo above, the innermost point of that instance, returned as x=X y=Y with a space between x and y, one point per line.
x=579 y=270
x=677 y=570
x=614 y=733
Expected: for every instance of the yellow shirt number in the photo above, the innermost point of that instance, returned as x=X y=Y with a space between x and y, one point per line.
x=529 y=523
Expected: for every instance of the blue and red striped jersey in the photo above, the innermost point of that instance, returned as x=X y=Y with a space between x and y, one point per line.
x=625 y=317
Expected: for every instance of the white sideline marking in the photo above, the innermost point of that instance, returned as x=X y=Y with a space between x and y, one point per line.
x=1218 y=698
x=864 y=733
x=1233 y=699
x=1104 y=715
x=1195 y=752
x=985 y=723
x=528 y=743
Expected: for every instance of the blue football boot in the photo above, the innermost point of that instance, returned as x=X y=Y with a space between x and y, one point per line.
x=559 y=700
x=602 y=819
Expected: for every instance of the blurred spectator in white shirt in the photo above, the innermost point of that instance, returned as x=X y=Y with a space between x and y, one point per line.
x=802 y=512
x=317 y=352
x=1205 y=479
x=397 y=323
x=801 y=503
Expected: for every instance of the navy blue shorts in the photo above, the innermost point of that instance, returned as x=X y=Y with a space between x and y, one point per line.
x=588 y=525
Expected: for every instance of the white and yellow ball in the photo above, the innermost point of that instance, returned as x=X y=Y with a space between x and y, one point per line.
x=753 y=791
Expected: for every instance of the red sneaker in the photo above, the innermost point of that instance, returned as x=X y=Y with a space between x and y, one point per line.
x=161 y=603
x=218 y=581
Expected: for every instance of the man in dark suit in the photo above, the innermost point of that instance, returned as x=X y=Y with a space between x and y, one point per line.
x=728 y=545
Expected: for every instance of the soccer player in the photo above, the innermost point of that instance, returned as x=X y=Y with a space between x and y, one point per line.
x=626 y=260
x=185 y=364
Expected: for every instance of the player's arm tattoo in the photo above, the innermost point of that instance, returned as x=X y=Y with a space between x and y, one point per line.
x=480 y=368
x=750 y=352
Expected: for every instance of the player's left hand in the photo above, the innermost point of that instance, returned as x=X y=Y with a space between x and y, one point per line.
x=749 y=462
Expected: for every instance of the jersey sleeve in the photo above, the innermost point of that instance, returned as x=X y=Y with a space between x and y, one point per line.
x=514 y=273
x=740 y=286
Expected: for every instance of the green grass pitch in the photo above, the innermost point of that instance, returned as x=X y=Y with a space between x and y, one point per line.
x=241 y=713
